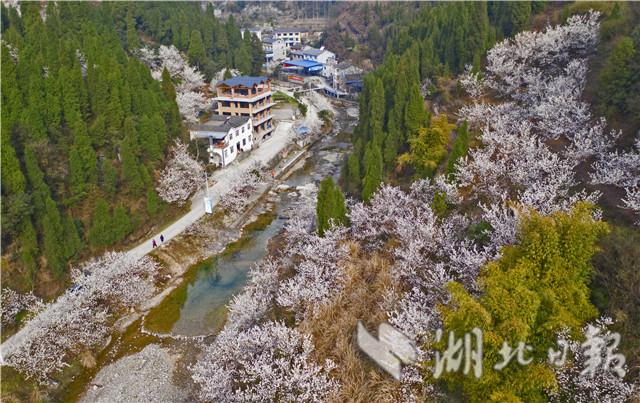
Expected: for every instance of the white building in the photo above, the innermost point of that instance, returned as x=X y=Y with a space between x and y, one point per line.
x=252 y=31
x=275 y=50
x=317 y=55
x=227 y=135
x=290 y=36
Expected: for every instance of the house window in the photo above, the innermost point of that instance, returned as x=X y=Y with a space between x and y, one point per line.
x=244 y=141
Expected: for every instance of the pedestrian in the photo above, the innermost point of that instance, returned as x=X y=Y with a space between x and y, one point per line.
x=273 y=174
x=153 y=243
x=161 y=238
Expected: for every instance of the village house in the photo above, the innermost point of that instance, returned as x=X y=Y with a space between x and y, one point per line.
x=317 y=55
x=247 y=96
x=345 y=77
x=227 y=135
x=253 y=31
x=275 y=50
x=290 y=36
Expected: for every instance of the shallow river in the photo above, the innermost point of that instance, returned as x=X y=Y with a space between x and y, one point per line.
x=198 y=306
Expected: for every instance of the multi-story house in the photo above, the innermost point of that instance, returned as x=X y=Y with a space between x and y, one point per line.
x=247 y=96
x=275 y=50
x=290 y=36
x=227 y=135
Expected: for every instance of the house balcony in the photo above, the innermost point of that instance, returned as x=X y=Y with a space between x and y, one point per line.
x=261 y=107
x=249 y=96
x=218 y=145
x=258 y=120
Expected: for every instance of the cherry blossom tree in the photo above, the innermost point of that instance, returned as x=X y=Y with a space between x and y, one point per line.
x=13 y=303
x=78 y=320
x=621 y=169
x=190 y=104
x=181 y=177
x=244 y=186
x=317 y=275
x=249 y=307
x=189 y=81
x=268 y=362
x=541 y=76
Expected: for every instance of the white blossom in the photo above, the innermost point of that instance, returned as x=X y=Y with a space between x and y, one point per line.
x=181 y=177
x=632 y=200
x=244 y=187
x=13 y=303
x=472 y=83
x=269 y=362
x=190 y=104
x=77 y=320
x=189 y=81
x=317 y=275
x=605 y=386
x=249 y=307
x=83 y=62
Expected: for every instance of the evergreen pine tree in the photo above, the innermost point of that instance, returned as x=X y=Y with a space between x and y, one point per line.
x=196 y=49
x=167 y=85
x=391 y=142
x=377 y=112
x=330 y=206
x=53 y=238
x=616 y=78
x=101 y=231
x=153 y=202
x=415 y=115
x=257 y=55
x=121 y=225
x=72 y=243
x=373 y=171
x=353 y=175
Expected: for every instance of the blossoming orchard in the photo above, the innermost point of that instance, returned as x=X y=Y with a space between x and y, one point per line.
x=463 y=225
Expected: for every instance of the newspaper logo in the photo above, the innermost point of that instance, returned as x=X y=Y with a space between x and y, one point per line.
x=389 y=350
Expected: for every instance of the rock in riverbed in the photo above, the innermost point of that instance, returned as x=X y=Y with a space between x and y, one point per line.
x=142 y=377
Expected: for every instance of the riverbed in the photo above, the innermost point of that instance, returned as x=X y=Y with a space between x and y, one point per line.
x=196 y=308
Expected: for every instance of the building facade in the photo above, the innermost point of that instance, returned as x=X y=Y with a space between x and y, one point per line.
x=247 y=96
x=253 y=31
x=227 y=135
x=290 y=36
x=317 y=55
x=275 y=50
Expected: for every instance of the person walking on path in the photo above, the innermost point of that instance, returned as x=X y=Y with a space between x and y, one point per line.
x=153 y=243
x=161 y=238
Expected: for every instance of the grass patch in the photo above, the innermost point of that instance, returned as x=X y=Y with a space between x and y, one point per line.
x=16 y=388
x=280 y=96
x=326 y=115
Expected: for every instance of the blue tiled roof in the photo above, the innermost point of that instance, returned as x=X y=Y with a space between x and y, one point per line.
x=303 y=63
x=246 y=81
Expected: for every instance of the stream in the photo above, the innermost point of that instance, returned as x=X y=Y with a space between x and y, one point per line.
x=198 y=306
